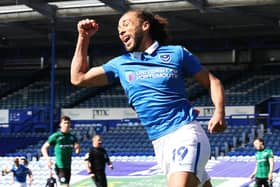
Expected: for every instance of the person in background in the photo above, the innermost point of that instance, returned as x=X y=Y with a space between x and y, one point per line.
x=51 y=181
x=264 y=165
x=20 y=174
x=152 y=74
x=95 y=162
x=64 y=142
x=24 y=161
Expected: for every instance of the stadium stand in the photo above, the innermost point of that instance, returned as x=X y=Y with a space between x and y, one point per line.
x=261 y=84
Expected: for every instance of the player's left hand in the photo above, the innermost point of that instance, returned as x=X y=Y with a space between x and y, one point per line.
x=217 y=123
x=270 y=176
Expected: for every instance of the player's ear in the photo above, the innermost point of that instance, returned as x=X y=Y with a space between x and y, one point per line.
x=145 y=26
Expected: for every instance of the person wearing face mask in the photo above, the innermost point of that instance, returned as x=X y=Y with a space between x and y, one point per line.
x=95 y=162
x=152 y=75
x=63 y=142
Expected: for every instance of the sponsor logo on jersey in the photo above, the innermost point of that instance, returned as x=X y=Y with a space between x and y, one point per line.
x=130 y=76
x=156 y=73
x=66 y=146
x=151 y=74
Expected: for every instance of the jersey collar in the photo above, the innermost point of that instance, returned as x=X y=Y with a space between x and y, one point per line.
x=149 y=50
x=152 y=48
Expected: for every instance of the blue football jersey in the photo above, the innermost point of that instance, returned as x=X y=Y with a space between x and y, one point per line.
x=155 y=87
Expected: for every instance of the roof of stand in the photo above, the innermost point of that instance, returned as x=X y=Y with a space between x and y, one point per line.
x=28 y=23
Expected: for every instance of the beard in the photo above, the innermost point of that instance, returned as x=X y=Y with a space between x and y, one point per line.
x=138 y=37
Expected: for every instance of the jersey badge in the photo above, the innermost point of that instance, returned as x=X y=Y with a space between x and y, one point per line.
x=165 y=58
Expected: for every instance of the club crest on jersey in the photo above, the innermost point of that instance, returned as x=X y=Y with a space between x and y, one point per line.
x=165 y=58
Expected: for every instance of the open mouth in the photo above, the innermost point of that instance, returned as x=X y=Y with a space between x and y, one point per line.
x=126 y=40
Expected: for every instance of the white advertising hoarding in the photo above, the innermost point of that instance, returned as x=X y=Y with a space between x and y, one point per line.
x=4 y=118
x=230 y=110
x=99 y=113
x=128 y=113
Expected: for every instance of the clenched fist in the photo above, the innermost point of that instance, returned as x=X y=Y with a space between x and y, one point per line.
x=87 y=27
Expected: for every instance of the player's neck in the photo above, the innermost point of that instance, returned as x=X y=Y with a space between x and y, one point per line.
x=146 y=43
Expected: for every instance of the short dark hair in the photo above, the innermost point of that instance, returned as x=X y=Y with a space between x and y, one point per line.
x=65 y=118
x=260 y=139
x=16 y=161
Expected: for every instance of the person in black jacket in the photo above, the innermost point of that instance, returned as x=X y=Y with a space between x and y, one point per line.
x=95 y=161
x=51 y=181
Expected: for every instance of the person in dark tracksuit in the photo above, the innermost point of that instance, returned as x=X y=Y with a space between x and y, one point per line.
x=51 y=181
x=95 y=161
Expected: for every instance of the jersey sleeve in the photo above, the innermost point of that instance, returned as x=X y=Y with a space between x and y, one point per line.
x=89 y=155
x=111 y=70
x=270 y=154
x=52 y=139
x=107 y=159
x=13 y=169
x=191 y=65
x=75 y=138
x=86 y=158
x=28 y=171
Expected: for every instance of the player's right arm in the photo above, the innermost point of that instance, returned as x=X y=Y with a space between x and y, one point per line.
x=88 y=166
x=44 y=150
x=81 y=75
x=6 y=171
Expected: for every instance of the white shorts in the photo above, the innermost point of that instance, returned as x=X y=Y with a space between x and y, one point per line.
x=19 y=184
x=186 y=149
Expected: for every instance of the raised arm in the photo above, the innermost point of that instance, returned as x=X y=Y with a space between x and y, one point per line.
x=81 y=74
x=217 y=122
